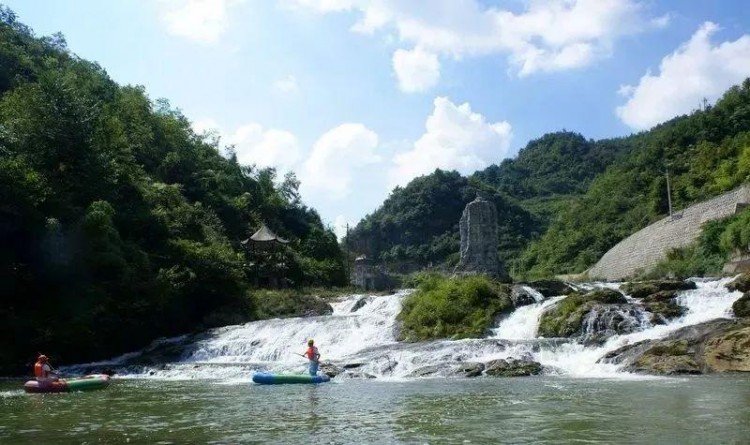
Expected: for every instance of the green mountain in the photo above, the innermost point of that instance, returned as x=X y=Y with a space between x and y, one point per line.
x=120 y=224
x=564 y=200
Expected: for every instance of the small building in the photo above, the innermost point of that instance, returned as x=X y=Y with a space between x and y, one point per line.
x=268 y=258
x=369 y=276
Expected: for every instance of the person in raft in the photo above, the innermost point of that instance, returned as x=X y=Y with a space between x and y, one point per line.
x=313 y=355
x=43 y=371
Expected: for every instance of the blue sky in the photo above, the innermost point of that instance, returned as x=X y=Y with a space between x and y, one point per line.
x=357 y=96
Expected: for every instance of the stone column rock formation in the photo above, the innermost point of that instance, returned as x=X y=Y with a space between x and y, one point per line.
x=478 y=227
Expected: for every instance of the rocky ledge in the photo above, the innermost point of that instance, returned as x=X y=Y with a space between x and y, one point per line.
x=714 y=346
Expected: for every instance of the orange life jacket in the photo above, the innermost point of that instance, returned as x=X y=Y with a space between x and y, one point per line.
x=39 y=370
x=312 y=353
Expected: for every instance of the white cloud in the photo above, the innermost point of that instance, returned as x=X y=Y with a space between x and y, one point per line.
x=203 y=21
x=547 y=35
x=416 y=70
x=265 y=147
x=255 y=145
x=339 y=226
x=697 y=69
x=205 y=125
x=287 y=85
x=336 y=156
x=456 y=138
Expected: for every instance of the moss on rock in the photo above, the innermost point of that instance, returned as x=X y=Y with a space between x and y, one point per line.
x=566 y=317
x=741 y=283
x=453 y=308
x=741 y=307
x=643 y=289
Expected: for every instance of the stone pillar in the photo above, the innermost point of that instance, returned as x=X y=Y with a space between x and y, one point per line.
x=478 y=228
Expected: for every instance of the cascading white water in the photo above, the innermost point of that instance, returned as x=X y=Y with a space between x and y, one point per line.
x=522 y=324
x=709 y=301
x=366 y=340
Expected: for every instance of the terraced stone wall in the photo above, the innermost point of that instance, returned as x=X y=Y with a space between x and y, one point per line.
x=645 y=248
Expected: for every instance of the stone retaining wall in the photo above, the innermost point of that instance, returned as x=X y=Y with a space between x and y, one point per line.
x=642 y=250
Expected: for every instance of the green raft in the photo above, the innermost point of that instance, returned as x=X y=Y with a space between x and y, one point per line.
x=267 y=378
x=88 y=383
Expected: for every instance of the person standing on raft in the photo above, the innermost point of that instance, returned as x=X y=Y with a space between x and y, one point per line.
x=43 y=371
x=313 y=355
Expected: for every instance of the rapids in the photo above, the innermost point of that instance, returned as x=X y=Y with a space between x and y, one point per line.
x=361 y=335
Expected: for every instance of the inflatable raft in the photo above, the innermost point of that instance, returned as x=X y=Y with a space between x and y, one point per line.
x=88 y=383
x=266 y=378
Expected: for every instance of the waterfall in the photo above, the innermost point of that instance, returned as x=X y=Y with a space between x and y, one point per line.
x=523 y=322
x=361 y=335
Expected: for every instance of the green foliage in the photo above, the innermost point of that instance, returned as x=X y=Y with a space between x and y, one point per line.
x=710 y=252
x=457 y=308
x=288 y=303
x=119 y=223
x=706 y=153
x=418 y=224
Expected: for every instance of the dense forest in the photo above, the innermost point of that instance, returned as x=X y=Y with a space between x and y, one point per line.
x=564 y=200
x=118 y=223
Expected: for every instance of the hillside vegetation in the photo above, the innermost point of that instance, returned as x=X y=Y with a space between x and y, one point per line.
x=564 y=200
x=118 y=223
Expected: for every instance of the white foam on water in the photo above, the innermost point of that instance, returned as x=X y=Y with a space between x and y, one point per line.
x=366 y=340
x=523 y=323
x=711 y=300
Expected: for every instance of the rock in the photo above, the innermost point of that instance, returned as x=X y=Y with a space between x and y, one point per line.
x=605 y=320
x=741 y=307
x=330 y=369
x=730 y=351
x=643 y=289
x=359 y=375
x=661 y=296
x=741 y=283
x=478 y=231
x=606 y=296
x=664 y=311
x=470 y=369
x=551 y=288
x=426 y=371
x=565 y=319
x=353 y=365
x=715 y=346
x=359 y=304
x=316 y=306
x=512 y=368
x=521 y=296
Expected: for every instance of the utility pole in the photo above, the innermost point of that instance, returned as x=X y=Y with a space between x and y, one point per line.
x=348 y=258
x=669 y=194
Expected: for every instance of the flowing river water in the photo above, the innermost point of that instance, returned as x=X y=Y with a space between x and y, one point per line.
x=204 y=394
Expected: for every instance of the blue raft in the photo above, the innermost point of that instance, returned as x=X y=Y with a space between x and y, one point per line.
x=267 y=378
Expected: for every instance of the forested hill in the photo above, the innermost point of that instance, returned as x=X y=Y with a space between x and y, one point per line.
x=118 y=223
x=567 y=200
x=418 y=224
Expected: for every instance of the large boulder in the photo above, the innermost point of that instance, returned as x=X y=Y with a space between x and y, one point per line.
x=470 y=369
x=741 y=307
x=729 y=351
x=512 y=368
x=522 y=296
x=715 y=346
x=551 y=288
x=330 y=369
x=741 y=283
x=360 y=304
x=565 y=319
x=427 y=371
x=605 y=320
x=642 y=289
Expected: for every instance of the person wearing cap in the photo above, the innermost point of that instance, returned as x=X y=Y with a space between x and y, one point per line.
x=313 y=355
x=43 y=371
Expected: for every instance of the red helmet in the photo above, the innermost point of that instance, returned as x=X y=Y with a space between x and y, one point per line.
x=42 y=358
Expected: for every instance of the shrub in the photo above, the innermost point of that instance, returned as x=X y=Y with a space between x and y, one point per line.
x=456 y=308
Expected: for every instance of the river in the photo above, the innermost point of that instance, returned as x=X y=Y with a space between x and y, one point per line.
x=203 y=394
x=554 y=410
